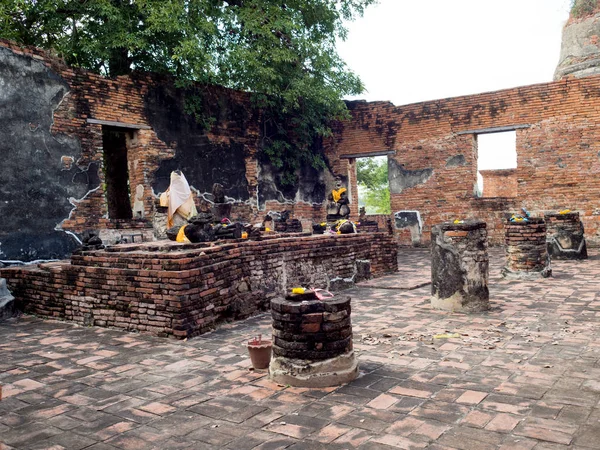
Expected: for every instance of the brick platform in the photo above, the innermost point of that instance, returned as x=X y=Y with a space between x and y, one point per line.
x=169 y=289
x=523 y=376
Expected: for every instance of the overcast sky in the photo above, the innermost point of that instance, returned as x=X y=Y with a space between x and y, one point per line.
x=411 y=51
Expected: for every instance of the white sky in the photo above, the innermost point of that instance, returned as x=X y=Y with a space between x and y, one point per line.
x=412 y=51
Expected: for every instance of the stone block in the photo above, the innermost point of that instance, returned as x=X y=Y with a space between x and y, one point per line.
x=7 y=301
x=565 y=236
x=459 y=267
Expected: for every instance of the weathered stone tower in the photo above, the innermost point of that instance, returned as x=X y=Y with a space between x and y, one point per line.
x=580 y=49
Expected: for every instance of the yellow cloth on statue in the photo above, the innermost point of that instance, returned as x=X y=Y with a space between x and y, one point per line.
x=337 y=194
x=181 y=235
x=339 y=223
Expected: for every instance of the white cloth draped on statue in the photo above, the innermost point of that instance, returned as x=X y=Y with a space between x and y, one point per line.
x=179 y=198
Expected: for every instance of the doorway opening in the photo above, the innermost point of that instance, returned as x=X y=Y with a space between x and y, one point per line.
x=116 y=172
x=373 y=184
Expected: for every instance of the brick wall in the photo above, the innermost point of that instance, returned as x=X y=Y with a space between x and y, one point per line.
x=123 y=100
x=170 y=289
x=499 y=183
x=434 y=168
x=558 y=151
x=126 y=100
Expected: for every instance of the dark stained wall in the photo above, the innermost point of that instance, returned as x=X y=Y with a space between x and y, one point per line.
x=202 y=160
x=310 y=188
x=54 y=176
x=39 y=171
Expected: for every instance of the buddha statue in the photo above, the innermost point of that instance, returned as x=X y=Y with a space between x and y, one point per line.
x=338 y=208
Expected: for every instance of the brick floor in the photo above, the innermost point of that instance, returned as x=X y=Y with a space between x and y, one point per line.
x=525 y=375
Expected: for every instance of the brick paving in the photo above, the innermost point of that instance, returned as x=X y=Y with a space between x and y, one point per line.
x=525 y=375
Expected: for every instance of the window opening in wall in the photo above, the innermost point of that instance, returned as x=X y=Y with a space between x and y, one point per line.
x=496 y=164
x=116 y=173
x=373 y=184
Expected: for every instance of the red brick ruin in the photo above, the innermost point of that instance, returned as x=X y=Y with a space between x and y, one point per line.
x=432 y=151
x=432 y=148
x=434 y=156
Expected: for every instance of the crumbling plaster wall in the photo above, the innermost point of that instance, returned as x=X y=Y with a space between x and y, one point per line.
x=434 y=167
x=40 y=169
x=52 y=174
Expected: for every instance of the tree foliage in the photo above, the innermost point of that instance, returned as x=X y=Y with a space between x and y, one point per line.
x=281 y=50
x=581 y=8
x=372 y=178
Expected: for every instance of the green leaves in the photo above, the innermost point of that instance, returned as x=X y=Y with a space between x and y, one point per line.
x=581 y=8
x=282 y=51
x=372 y=178
x=372 y=172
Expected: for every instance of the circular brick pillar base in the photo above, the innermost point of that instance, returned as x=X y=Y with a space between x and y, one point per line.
x=526 y=252
x=301 y=373
x=459 y=267
x=312 y=342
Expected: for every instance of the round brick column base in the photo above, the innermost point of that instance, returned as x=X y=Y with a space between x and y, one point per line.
x=532 y=275
x=527 y=255
x=318 y=374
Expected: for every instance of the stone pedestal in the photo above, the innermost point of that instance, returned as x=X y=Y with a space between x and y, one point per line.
x=526 y=252
x=312 y=342
x=564 y=236
x=7 y=301
x=459 y=267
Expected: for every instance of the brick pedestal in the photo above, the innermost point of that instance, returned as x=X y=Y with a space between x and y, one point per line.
x=459 y=267
x=564 y=236
x=289 y=226
x=367 y=227
x=312 y=342
x=526 y=253
x=171 y=289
